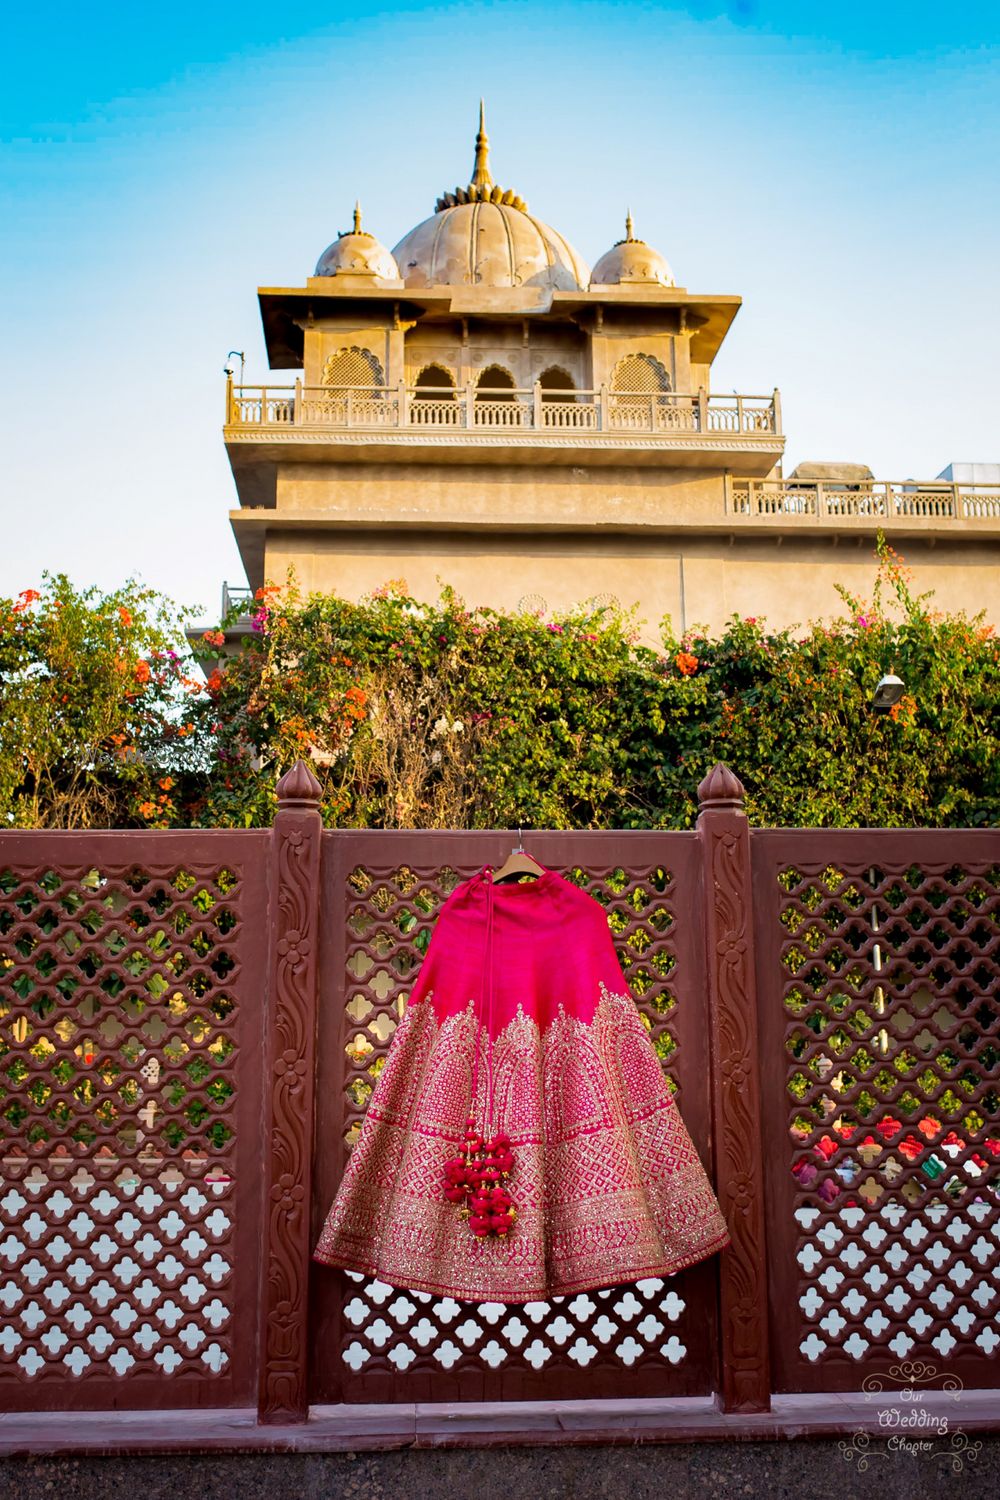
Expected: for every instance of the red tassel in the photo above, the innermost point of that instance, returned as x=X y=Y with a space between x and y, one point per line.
x=474 y=1182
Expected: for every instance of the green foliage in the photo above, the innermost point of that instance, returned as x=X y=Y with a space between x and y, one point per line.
x=792 y=717
x=416 y=715
x=92 y=698
x=437 y=715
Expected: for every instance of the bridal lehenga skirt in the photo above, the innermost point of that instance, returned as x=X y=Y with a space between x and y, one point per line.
x=521 y=1141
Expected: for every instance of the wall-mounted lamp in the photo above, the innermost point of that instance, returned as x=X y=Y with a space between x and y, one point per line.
x=242 y=359
x=888 y=691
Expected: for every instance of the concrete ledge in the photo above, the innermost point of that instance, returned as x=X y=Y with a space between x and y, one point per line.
x=343 y=1429
x=619 y=521
x=749 y=454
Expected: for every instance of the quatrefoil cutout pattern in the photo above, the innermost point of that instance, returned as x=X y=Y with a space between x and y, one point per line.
x=913 y=1283
x=118 y=1058
x=891 y=981
x=623 y=1324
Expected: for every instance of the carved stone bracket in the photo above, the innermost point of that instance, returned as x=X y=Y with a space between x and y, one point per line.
x=289 y=1074
x=725 y=838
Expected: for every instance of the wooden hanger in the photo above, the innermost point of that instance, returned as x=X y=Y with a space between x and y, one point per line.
x=518 y=862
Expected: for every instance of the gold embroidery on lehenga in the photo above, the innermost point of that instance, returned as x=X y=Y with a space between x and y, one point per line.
x=608 y=1184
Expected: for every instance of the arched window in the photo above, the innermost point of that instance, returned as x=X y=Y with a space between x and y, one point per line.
x=434 y=383
x=495 y=384
x=353 y=367
x=557 y=384
x=639 y=376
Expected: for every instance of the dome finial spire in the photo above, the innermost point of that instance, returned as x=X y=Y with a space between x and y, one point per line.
x=357 y=216
x=481 y=188
x=481 y=171
x=629 y=226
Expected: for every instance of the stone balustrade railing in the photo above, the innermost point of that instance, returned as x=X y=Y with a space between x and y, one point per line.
x=877 y=500
x=583 y=413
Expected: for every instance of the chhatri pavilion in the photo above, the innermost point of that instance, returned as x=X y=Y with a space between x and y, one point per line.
x=479 y=407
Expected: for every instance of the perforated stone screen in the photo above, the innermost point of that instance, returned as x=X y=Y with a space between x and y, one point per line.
x=640 y=372
x=880 y=1025
x=137 y=1125
x=123 y=1059
x=379 y=1343
x=353 y=367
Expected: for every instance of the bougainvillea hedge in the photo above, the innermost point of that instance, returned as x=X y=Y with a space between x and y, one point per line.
x=444 y=715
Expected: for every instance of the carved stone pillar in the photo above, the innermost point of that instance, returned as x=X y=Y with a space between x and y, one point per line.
x=745 y=1383
x=289 y=1065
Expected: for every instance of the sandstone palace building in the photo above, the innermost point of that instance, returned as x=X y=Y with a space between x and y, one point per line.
x=480 y=407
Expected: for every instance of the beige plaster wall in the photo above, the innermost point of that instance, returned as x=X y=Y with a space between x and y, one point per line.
x=608 y=349
x=328 y=337
x=502 y=494
x=624 y=332
x=795 y=582
x=499 y=571
x=697 y=581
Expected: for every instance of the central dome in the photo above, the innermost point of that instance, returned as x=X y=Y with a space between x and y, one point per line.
x=483 y=235
x=488 y=244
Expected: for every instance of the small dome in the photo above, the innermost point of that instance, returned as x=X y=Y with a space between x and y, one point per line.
x=357 y=253
x=483 y=235
x=631 y=261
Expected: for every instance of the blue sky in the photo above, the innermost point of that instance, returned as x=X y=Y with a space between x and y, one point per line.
x=837 y=166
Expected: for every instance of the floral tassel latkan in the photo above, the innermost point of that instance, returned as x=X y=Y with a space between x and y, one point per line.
x=475 y=1180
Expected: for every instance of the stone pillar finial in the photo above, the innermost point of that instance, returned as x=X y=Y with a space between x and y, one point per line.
x=299 y=787
x=357 y=216
x=629 y=227
x=721 y=789
x=481 y=170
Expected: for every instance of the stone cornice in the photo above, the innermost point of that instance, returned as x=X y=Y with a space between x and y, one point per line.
x=846 y=531
x=580 y=443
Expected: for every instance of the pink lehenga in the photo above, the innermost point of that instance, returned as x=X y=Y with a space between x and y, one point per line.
x=521 y=1141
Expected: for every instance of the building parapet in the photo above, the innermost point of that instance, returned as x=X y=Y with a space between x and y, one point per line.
x=581 y=414
x=237 y=596
x=796 y=500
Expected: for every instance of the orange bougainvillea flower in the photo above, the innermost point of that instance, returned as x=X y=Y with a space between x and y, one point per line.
x=355 y=699
x=142 y=671
x=126 y=617
x=686 y=664
x=214 y=637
